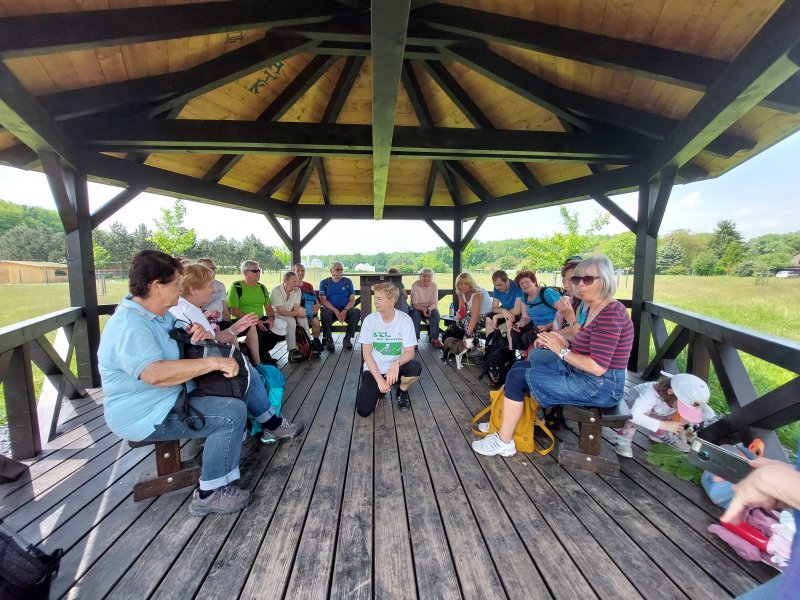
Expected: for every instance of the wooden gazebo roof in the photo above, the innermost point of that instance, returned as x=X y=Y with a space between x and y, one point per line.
x=408 y=109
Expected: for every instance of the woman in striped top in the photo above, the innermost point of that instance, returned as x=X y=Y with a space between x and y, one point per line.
x=589 y=372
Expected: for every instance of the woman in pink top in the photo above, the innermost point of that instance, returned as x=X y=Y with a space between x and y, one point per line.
x=424 y=305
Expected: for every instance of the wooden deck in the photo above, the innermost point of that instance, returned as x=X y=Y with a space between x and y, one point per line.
x=393 y=506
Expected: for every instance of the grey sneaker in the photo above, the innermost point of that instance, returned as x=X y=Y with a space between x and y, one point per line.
x=267 y=437
x=226 y=500
x=623 y=446
x=671 y=440
x=492 y=445
x=286 y=430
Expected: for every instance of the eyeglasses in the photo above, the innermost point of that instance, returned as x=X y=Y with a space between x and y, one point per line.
x=586 y=279
x=337 y=270
x=254 y=270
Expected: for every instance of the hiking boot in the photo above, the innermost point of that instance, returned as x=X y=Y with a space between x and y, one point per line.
x=296 y=356
x=287 y=430
x=347 y=344
x=329 y=345
x=670 y=439
x=316 y=346
x=267 y=437
x=437 y=343
x=623 y=446
x=492 y=445
x=225 y=500
x=403 y=401
x=268 y=360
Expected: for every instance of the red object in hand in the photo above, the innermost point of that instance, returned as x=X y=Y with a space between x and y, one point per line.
x=461 y=312
x=749 y=534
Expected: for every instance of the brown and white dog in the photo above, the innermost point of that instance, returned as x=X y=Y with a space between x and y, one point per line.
x=457 y=348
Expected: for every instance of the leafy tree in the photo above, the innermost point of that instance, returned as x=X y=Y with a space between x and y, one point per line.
x=669 y=255
x=38 y=243
x=733 y=254
x=725 y=234
x=170 y=235
x=705 y=264
x=12 y=214
x=620 y=249
x=101 y=256
x=548 y=254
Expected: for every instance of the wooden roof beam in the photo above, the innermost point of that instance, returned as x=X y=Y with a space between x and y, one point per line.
x=467 y=105
x=59 y=32
x=23 y=116
x=324 y=139
x=133 y=174
x=365 y=49
x=112 y=206
x=672 y=66
x=388 y=30
x=568 y=103
x=282 y=176
x=161 y=93
x=298 y=86
x=763 y=65
x=366 y=212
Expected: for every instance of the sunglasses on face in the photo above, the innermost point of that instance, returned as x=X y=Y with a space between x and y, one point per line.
x=254 y=270
x=586 y=279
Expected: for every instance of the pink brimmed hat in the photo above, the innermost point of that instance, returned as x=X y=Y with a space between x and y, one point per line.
x=692 y=394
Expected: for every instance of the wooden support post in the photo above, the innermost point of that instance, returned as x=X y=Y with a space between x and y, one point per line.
x=23 y=420
x=71 y=196
x=457 y=249
x=296 y=247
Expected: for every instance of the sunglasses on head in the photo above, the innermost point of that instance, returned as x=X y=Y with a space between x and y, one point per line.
x=254 y=270
x=586 y=279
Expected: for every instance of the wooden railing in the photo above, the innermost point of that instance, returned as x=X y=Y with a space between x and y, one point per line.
x=717 y=343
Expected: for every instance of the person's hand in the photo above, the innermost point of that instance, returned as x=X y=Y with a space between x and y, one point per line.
x=315 y=308
x=198 y=332
x=393 y=373
x=426 y=312
x=671 y=426
x=261 y=325
x=553 y=341
x=506 y=314
x=228 y=366
x=383 y=386
x=341 y=316
x=761 y=488
x=541 y=328
x=245 y=323
x=537 y=343
x=299 y=311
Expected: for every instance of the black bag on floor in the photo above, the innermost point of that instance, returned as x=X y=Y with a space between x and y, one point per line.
x=25 y=571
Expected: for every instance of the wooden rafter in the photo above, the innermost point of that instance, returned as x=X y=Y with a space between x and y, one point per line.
x=59 y=32
x=326 y=139
x=680 y=68
x=361 y=212
x=113 y=205
x=388 y=38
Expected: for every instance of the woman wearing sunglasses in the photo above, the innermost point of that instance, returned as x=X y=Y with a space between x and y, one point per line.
x=589 y=371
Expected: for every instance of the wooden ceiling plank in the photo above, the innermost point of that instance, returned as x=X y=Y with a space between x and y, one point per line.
x=762 y=66
x=475 y=186
x=517 y=79
x=278 y=107
x=301 y=182
x=327 y=139
x=277 y=180
x=366 y=212
x=388 y=39
x=60 y=32
x=672 y=66
x=19 y=156
x=364 y=49
x=175 y=184
x=23 y=116
x=467 y=105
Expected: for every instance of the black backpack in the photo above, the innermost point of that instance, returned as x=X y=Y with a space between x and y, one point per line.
x=541 y=298
x=303 y=342
x=237 y=285
x=25 y=571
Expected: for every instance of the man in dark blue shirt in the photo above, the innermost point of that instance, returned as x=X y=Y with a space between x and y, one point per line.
x=337 y=297
x=506 y=292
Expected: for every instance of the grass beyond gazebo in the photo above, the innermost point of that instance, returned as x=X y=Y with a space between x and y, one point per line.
x=767 y=305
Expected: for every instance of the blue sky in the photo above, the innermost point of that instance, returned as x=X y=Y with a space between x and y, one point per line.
x=761 y=196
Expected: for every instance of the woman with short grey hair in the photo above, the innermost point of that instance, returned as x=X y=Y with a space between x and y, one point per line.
x=588 y=370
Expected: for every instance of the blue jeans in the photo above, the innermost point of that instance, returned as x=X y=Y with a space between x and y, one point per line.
x=225 y=421
x=554 y=382
x=766 y=591
x=433 y=322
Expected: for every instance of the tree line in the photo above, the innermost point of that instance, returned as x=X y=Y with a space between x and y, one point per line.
x=35 y=234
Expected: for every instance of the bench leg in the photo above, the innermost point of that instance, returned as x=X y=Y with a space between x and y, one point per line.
x=171 y=474
x=587 y=456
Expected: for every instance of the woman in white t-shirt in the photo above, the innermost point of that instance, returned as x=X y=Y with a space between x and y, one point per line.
x=474 y=303
x=387 y=345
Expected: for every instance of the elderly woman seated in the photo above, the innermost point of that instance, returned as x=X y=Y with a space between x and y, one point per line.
x=588 y=371
x=144 y=376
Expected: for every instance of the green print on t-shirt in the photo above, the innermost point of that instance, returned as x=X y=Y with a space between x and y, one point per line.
x=386 y=345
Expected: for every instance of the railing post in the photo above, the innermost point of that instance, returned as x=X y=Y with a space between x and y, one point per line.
x=698 y=360
x=23 y=420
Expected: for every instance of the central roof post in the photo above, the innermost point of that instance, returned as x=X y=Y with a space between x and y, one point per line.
x=457 y=250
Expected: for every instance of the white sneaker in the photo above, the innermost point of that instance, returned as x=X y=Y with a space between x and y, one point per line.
x=492 y=445
x=623 y=446
x=484 y=427
x=671 y=440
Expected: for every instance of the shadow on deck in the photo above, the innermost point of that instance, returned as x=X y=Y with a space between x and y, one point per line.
x=396 y=505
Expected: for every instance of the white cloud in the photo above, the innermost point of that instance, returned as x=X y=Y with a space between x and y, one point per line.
x=691 y=200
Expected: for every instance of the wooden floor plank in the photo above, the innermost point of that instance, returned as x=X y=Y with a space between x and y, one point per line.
x=313 y=563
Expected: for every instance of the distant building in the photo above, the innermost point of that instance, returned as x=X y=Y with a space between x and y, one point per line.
x=316 y=263
x=17 y=271
x=365 y=267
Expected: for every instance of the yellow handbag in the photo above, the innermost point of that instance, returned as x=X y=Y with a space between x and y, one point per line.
x=524 y=433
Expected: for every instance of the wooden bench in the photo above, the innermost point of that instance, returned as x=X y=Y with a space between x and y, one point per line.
x=590 y=424
x=171 y=473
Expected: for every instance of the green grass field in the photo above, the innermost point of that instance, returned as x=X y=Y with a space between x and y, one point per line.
x=768 y=307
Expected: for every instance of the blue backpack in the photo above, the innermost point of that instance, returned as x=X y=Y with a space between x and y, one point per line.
x=275 y=382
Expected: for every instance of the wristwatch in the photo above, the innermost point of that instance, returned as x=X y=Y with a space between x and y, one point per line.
x=562 y=354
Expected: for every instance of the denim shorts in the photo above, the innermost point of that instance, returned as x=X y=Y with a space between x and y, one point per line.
x=555 y=382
